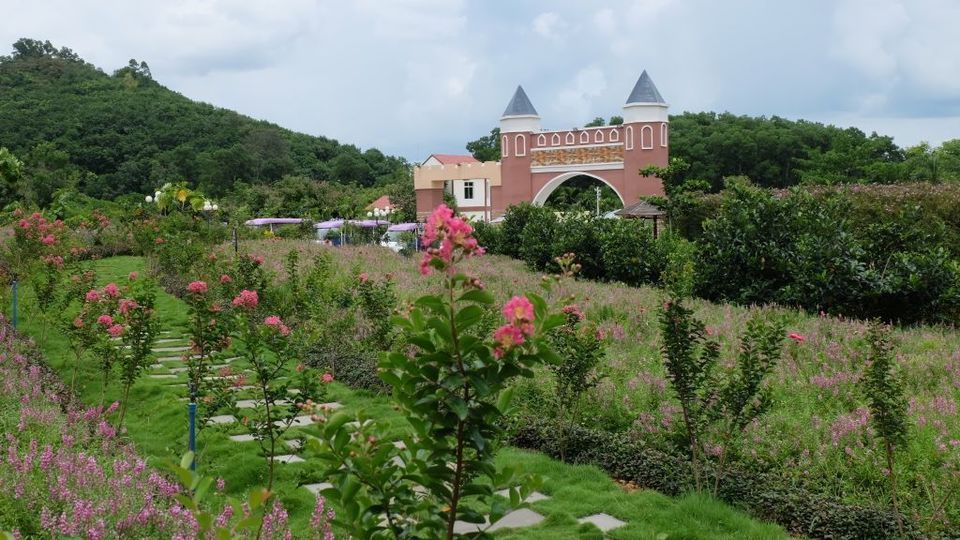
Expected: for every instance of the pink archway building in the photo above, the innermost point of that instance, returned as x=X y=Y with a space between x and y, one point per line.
x=534 y=162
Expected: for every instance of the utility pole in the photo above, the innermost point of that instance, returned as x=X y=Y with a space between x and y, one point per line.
x=598 y=201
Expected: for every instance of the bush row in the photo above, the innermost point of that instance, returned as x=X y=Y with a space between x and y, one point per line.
x=830 y=251
x=800 y=510
x=607 y=249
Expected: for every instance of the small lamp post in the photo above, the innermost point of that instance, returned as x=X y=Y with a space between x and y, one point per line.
x=192 y=411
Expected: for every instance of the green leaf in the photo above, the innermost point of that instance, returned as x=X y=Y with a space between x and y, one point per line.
x=350 y=488
x=468 y=317
x=503 y=401
x=459 y=407
x=476 y=295
x=186 y=460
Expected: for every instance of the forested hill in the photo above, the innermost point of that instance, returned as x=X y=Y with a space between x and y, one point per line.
x=110 y=135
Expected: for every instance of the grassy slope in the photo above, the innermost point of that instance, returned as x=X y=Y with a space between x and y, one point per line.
x=157 y=423
x=809 y=434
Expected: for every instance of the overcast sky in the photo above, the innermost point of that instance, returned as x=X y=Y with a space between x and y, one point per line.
x=413 y=77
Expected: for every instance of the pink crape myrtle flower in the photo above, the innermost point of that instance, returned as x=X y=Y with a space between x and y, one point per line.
x=452 y=234
x=92 y=295
x=49 y=240
x=115 y=330
x=797 y=338
x=127 y=305
x=197 y=287
x=274 y=321
x=363 y=277
x=327 y=378
x=246 y=299
x=111 y=290
x=518 y=309
x=133 y=276
x=224 y=279
x=105 y=320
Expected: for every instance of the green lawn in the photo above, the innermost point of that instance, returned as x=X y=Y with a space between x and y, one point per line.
x=157 y=423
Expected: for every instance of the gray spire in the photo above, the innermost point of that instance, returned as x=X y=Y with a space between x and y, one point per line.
x=520 y=105
x=645 y=91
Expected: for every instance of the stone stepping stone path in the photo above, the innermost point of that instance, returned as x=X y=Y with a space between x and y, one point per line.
x=604 y=522
x=170 y=340
x=246 y=437
x=222 y=419
x=254 y=403
x=288 y=458
x=162 y=376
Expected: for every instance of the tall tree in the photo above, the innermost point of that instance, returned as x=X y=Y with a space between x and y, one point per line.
x=486 y=148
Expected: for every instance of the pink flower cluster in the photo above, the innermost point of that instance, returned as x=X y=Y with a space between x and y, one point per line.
x=274 y=321
x=453 y=234
x=197 y=287
x=246 y=300
x=519 y=313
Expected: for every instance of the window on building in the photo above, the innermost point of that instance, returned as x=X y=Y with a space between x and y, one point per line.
x=468 y=191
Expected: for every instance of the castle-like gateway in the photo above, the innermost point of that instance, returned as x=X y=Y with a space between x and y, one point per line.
x=534 y=162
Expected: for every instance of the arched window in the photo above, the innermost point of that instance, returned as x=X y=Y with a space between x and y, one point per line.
x=555 y=140
x=571 y=139
x=599 y=136
x=663 y=134
x=628 y=136
x=614 y=135
x=646 y=137
x=542 y=140
x=505 y=146
x=520 y=145
x=584 y=137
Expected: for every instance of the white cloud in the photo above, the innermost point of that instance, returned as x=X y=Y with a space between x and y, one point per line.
x=576 y=101
x=549 y=25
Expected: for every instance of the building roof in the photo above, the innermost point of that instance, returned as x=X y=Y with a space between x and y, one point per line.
x=641 y=209
x=383 y=202
x=645 y=91
x=520 y=105
x=453 y=159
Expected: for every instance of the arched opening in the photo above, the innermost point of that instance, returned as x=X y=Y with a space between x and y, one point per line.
x=577 y=192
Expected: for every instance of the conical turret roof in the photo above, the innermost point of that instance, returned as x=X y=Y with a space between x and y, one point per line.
x=520 y=105
x=645 y=91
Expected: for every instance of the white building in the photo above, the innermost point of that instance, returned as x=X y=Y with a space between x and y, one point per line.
x=471 y=195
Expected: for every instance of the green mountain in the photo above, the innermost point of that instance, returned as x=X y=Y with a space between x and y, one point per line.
x=106 y=135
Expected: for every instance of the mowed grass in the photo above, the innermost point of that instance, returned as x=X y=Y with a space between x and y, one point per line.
x=157 y=424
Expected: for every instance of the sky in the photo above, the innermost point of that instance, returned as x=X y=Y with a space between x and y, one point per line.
x=415 y=77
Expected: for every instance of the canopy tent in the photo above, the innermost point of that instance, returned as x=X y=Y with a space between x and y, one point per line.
x=259 y=222
x=330 y=224
x=403 y=227
x=369 y=223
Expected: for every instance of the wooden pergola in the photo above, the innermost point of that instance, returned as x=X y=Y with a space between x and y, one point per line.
x=643 y=210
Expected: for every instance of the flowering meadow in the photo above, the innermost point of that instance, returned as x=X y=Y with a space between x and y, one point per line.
x=818 y=432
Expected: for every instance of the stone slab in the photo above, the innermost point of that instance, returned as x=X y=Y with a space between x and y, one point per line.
x=523 y=517
x=170 y=340
x=288 y=458
x=317 y=488
x=246 y=437
x=298 y=421
x=604 y=522
x=536 y=496
x=222 y=419
x=162 y=376
x=171 y=349
x=253 y=403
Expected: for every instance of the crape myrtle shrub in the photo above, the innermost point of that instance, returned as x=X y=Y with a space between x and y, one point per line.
x=832 y=251
x=606 y=249
x=798 y=509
